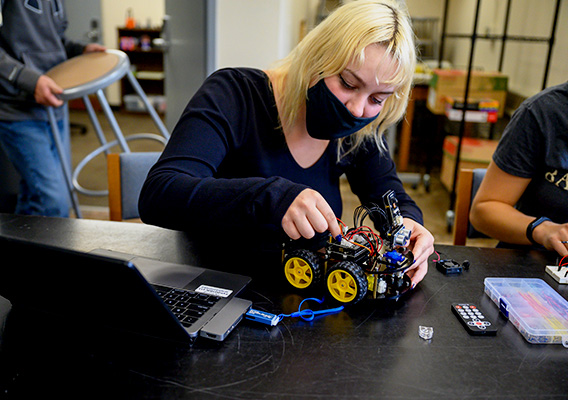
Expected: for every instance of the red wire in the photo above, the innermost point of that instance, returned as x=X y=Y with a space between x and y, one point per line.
x=365 y=231
x=437 y=255
x=373 y=240
x=371 y=243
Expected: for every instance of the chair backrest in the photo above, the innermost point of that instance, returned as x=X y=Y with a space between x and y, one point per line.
x=126 y=175
x=468 y=184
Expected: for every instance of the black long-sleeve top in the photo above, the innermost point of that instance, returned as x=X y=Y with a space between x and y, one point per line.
x=227 y=168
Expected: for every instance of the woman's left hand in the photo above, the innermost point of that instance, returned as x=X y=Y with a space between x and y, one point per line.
x=422 y=246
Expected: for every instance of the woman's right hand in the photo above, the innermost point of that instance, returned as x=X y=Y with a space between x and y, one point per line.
x=552 y=235
x=309 y=213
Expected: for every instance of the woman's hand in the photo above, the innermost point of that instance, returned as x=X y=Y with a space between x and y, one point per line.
x=422 y=246
x=309 y=213
x=551 y=235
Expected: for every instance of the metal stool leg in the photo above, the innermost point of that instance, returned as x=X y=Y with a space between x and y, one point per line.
x=134 y=82
x=121 y=140
x=95 y=121
x=77 y=87
x=63 y=160
x=112 y=121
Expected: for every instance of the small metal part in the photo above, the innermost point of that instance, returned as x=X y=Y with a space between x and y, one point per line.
x=402 y=237
x=425 y=332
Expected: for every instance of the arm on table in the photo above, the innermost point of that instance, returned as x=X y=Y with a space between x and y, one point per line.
x=493 y=212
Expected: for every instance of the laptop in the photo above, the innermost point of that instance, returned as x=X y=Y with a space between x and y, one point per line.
x=121 y=291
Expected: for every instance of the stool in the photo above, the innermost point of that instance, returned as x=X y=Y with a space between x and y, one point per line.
x=84 y=75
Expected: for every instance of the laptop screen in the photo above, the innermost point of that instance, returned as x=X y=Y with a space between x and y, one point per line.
x=96 y=290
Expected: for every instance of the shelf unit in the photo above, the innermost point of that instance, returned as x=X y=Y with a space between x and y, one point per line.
x=146 y=60
x=504 y=38
x=427 y=39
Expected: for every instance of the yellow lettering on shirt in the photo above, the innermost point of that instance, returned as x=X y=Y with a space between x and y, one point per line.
x=550 y=176
x=563 y=179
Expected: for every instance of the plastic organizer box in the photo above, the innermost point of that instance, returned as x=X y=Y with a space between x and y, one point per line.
x=535 y=309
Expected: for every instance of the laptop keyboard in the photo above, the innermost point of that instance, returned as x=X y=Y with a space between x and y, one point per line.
x=186 y=305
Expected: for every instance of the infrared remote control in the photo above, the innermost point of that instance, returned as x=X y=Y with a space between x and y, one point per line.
x=473 y=319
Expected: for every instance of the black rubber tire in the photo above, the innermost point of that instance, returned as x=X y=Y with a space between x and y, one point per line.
x=306 y=258
x=354 y=275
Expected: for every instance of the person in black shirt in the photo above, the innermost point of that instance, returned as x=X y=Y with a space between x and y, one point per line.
x=523 y=199
x=260 y=153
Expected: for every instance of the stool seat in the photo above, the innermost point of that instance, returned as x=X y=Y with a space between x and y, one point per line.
x=85 y=74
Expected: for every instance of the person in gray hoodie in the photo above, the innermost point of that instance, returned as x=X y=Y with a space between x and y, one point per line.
x=32 y=41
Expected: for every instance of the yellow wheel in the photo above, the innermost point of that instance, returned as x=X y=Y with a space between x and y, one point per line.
x=301 y=268
x=346 y=282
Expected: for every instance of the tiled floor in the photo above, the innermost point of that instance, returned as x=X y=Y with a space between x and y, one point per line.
x=434 y=203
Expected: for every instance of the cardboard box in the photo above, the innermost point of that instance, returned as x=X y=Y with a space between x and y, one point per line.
x=475 y=153
x=451 y=83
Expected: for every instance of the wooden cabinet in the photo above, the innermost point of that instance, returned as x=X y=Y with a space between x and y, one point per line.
x=147 y=63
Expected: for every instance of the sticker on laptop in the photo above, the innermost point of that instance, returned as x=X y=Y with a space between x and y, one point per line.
x=213 y=291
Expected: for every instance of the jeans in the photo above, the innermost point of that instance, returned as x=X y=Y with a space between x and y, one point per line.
x=30 y=147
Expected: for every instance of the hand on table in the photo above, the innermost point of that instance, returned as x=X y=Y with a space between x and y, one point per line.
x=551 y=235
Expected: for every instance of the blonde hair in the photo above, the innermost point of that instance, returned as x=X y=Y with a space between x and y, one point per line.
x=341 y=39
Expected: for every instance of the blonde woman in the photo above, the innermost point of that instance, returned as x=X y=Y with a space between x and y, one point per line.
x=261 y=152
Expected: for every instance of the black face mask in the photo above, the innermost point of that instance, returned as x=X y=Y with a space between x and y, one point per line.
x=327 y=117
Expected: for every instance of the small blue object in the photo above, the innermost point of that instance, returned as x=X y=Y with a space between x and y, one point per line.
x=338 y=238
x=307 y=314
x=263 y=317
x=394 y=256
x=504 y=307
x=273 y=319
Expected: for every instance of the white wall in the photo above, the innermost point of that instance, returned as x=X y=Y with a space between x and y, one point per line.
x=426 y=8
x=524 y=62
x=257 y=32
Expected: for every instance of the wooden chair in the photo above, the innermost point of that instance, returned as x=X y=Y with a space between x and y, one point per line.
x=126 y=175
x=468 y=184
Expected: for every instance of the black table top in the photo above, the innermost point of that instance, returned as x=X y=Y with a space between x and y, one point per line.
x=372 y=350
